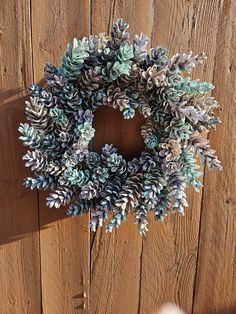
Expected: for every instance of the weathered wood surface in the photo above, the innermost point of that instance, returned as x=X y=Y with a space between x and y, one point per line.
x=52 y=264
x=20 y=290
x=216 y=272
x=116 y=258
x=170 y=249
x=64 y=243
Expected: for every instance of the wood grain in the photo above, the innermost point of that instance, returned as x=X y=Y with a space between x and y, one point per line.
x=52 y=264
x=170 y=249
x=115 y=258
x=64 y=243
x=19 y=243
x=216 y=273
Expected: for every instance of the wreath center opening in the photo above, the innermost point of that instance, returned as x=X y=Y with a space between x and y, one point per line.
x=124 y=134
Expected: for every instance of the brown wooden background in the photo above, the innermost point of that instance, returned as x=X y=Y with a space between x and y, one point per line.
x=52 y=264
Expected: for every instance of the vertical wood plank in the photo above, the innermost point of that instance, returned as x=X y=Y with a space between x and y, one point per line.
x=170 y=248
x=19 y=243
x=216 y=272
x=64 y=242
x=115 y=258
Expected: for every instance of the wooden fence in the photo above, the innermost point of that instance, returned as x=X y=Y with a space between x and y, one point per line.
x=53 y=264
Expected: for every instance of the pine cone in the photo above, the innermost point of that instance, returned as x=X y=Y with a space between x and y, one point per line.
x=85 y=132
x=128 y=113
x=119 y=36
x=149 y=133
x=177 y=186
x=125 y=54
x=97 y=218
x=186 y=62
x=35 y=90
x=178 y=129
x=149 y=159
x=35 y=159
x=30 y=136
x=59 y=197
x=70 y=159
x=117 y=164
x=89 y=82
x=64 y=139
x=92 y=60
x=90 y=190
x=116 y=98
x=54 y=168
x=141 y=218
x=74 y=58
x=164 y=96
x=170 y=150
x=40 y=182
x=69 y=97
x=128 y=197
x=37 y=114
x=152 y=141
x=152 y=78
x=199 y=110
x=107 y=151
x=106 y=56
x=162 y=205
x=130 y=192
x=82 y=208
x=130 y=79
x=50 y=70
x=115 y=222
x=140 y=47
x=95 y=100
x=120 y=65
x=111 y=193
x=57 y=84
x=157 y=56
x=144 y=107
x=47 y=99
x=202 y=148
x=154 y=182
x=189 y=169
x=81 y=149
x=62 y=181
x=83 y=116
x=134 y=165
x=100 y=174
x=62 y=122
x=170 y=167
x=77 y=177
x=51 y=143
x=148 y=128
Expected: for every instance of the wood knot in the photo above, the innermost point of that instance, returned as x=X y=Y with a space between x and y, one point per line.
x=12 y=301
x=228 y=200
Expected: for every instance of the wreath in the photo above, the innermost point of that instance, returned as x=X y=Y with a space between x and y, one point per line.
x=111 y=71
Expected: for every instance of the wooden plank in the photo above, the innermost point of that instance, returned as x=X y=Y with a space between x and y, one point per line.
x=216 y=272
x=19 y=243
x=64 y=242
x=170 y=248
x=115 y=258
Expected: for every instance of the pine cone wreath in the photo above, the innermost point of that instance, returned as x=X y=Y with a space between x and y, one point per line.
x=126 y=76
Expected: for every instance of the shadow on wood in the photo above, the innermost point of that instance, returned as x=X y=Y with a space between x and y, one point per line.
x=18 y=205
